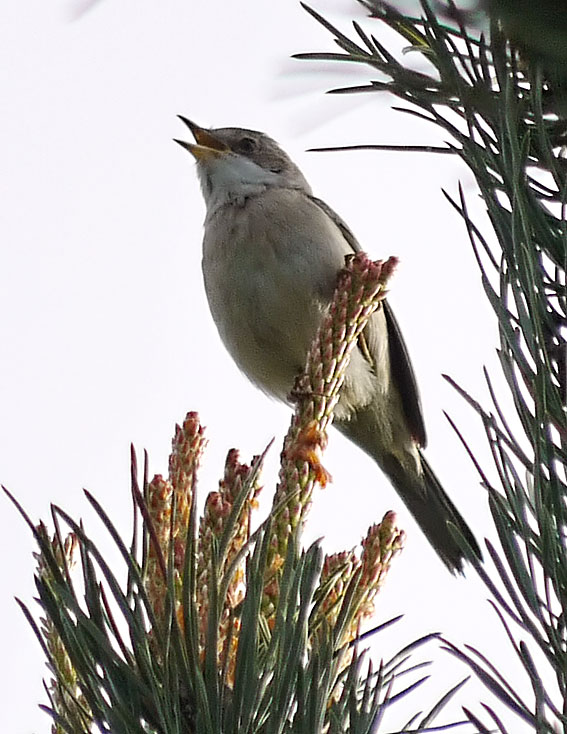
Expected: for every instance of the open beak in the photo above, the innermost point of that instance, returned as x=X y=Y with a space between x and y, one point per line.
x=207 y=146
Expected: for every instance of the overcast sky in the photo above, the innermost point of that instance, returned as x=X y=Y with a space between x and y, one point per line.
x=105 y=331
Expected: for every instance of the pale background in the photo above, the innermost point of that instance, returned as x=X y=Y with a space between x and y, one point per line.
x=104 y=328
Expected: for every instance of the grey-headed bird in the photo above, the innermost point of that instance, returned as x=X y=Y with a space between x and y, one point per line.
x=271 y=255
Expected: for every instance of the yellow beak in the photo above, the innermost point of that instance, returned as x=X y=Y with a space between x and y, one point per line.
x=207 y=145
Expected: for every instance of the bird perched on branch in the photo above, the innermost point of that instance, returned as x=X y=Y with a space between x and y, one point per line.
x=271 y=255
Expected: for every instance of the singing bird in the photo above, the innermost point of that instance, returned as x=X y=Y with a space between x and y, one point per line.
x=271 y=254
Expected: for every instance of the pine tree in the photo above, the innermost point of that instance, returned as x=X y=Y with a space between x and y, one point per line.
x=496 y=85
x=213 y=626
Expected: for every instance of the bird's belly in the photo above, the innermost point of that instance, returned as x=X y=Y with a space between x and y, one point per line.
x=270 y=351
x=266 y=323
x=270 y=268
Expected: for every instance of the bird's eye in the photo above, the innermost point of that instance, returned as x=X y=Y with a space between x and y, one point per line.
x=246 y=145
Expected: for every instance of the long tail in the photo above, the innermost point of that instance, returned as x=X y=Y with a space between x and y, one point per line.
x=433 y=510
x=417 y=485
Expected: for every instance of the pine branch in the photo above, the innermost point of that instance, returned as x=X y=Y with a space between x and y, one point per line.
x=212 y=627
x=501 y=98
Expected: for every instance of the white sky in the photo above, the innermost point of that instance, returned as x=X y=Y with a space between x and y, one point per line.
x=105 y=332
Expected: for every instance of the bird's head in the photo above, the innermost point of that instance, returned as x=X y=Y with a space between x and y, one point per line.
x=234 y=163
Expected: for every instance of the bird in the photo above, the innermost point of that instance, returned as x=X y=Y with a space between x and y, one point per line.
x=271 y=254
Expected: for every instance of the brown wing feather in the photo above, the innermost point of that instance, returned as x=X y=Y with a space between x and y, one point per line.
x=400 y=363
x=404 y=378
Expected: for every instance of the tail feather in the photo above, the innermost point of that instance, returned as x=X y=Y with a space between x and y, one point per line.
x=416 y=484
x=433 y=510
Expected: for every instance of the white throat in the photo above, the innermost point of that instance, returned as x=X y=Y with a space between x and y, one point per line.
x=230 y=179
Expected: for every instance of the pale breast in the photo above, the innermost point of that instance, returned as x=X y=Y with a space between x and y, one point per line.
x=270 y=268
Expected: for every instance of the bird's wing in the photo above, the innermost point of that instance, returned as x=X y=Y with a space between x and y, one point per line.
x=400 y=363
x=404 y=377
x=341 y=224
